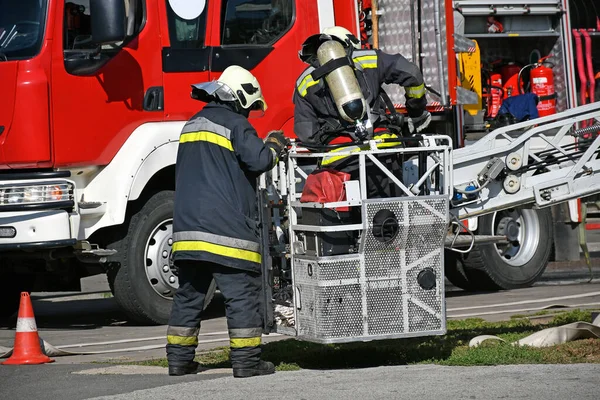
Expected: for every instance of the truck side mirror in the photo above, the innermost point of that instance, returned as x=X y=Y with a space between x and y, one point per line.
x=108 y=21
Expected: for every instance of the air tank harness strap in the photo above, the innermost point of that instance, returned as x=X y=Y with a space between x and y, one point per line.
x=330 y=66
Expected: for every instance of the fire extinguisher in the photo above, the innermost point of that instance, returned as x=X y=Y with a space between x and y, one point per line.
x=509 y=73
x=542 y=84
x=494 y=96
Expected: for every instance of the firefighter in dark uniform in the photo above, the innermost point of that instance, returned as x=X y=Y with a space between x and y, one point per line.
x=317 y=121
x=215 y=232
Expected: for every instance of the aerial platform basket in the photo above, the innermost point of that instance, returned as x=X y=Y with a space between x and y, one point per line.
x=387 y=281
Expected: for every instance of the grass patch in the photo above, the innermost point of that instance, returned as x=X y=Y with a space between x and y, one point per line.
x=450 y=349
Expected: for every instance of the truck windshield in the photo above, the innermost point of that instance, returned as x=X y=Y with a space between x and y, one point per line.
x=21 y=28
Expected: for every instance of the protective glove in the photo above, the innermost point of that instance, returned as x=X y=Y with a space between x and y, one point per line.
x=418 y=124
x=277 y=141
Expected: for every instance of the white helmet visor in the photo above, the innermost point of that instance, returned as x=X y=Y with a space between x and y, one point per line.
x=208 y=91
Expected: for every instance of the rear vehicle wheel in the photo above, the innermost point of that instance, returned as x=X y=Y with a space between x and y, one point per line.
x=144 y=279
x=517 y=264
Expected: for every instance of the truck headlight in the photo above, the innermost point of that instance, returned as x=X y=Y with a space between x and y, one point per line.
x=13 y=196
x=36 y=194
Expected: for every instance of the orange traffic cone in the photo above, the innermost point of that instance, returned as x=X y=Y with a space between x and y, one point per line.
x=27 y=348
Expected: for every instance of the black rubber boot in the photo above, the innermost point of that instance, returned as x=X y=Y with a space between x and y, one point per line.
x=263 y=368
x=184 y=369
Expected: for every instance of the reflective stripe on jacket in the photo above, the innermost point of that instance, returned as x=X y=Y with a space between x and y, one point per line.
x=328 y=161
x=215 y=216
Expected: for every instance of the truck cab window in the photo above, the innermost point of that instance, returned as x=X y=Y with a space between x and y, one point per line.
x=78 y=30
x=22 y=25
x=255 y=21
x=186 y=33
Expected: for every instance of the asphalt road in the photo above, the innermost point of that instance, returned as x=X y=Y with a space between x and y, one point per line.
x=401 y=382
x=93 y=322
x=74 y=382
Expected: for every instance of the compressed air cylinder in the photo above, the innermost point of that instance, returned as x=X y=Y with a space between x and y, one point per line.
x=342 y=83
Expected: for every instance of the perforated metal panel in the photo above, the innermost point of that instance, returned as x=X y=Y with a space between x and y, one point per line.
x=559 y=71
x=418 y=246
x=395 y=36
x=397 y=30
x=433 y=77
x=377 y=293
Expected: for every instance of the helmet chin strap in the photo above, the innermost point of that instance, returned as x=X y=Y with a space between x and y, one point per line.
x=235 y=106
x=244 y=111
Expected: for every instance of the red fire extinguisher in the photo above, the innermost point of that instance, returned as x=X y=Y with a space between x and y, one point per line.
x=495 y=95
x=510 y=73
x=542 y=84
x=509 y=70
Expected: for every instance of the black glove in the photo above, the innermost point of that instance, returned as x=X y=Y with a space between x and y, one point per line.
x=276 y=141
x=416 y=125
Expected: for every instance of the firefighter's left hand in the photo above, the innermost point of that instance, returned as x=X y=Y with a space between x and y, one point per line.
x=418 y=124
x=277 y=141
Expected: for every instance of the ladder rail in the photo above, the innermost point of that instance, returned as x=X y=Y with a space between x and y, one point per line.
x=487 y=146
x=541 y=181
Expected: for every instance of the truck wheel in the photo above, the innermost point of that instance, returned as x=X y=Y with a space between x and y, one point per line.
x=521 y=262
x=144 y=280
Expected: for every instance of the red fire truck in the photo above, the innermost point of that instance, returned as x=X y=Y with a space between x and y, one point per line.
x=94 y=94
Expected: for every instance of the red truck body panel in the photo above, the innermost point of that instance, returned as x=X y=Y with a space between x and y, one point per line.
x=25 y=112
x=94 y=115
x=52 y=118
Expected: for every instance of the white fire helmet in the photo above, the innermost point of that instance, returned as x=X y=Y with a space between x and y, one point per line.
x=235 y=83
x=343 y=34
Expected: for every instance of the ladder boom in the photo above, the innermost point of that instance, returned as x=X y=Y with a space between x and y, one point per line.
x=540 y=162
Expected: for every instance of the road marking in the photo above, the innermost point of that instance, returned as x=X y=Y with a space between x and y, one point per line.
x=556 y=306
x=513 y=303
x=149 y=347
x=59 y=350
x=146 y=339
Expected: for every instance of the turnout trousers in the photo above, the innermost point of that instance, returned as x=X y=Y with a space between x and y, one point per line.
x=242 y=292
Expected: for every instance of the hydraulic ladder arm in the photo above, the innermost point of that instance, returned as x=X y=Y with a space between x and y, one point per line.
x=537 y=162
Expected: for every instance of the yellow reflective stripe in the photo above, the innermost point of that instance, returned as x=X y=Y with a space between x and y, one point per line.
x=275 y=158
x=330 y=160
x=182 y=340
x=365 y=58
x=386 y=136
x=197 y=245
x=246 y=342
x=386 y=145
x=205 y=136
x=305 y=84
x=366 y=61
x=416 y=91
